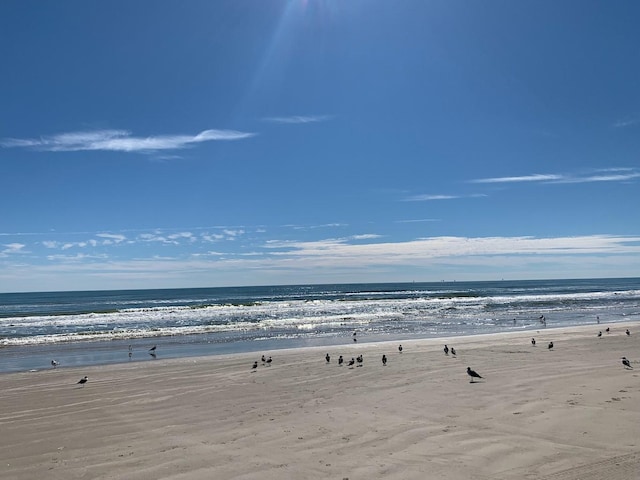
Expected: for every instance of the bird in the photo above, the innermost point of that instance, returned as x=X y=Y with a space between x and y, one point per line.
x=327 y=358
x=263 y=359
x=400 y=348
x=384 y=359
x=153 y=349
x=453 y=351
x=360 y=360
x=54 y=363
x=607 y=330
x=628 y=332
x=351 y=362
x=269 y=361
x=83 y=380
x=340 y=360
x=626 y=363
x=446 y=350
x=550 y=345
x=533 y=342
x=255 y=365
x=599 y=334
x=473 y=374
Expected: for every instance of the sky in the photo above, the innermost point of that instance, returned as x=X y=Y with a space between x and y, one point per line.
x=169 y=144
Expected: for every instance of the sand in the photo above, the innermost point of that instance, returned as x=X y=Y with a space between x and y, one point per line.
x=569 y=413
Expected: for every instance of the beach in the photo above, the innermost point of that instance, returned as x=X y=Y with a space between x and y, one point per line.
x=571 y=412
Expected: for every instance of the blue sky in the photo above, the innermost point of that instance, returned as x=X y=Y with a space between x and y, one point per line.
x=154 y=144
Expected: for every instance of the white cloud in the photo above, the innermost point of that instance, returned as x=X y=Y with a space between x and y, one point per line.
x=111 y=238
x=120 y=141
x=428 y=197
x=439 y=247
x=601 y=178
x=524 y=178
x=598 y=175
x=12 y=248
x=299 y=119
x=627 y=122
x=347 y=259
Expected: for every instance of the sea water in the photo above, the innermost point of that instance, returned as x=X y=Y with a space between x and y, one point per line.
x=86 y=328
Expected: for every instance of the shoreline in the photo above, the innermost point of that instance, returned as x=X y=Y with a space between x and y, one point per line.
x=85 y=353
x=569 y=413
x=115 y=352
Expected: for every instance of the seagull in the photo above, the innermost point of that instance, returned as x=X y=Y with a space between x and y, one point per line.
x=533 y=342
x=628 y=332
x=626 y=363
x=340 y=360
x=351 y=362
x=473 y=374
x=599 y=334
x=384 y=359
x=153 y=349
x=550 y=345
x=54 y=363
x=255 y=365
x=83 y=380
x=327 y=358
x=269 y=361
x=400 y=348
x=446 y=350
x=453 y=351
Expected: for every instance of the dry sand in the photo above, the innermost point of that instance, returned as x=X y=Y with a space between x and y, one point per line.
x=569 y=413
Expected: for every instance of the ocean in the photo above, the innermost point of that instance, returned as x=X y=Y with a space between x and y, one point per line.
x=102 y=327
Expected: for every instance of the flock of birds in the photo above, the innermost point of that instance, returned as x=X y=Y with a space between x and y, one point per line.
x=359 y=360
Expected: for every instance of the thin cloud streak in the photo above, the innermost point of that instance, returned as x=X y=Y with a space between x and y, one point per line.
x=524 y=178
x=120 y=141
x=630 y=174
x=427 y=197
x=297 y=119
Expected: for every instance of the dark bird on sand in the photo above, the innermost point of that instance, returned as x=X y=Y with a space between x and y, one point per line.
x=453 y=351
x=384 y=359
x=446 y=350
x=626 y=363
x=359 y=359
x=54 y=363
x=599 y=334
x=83 y=380
x=351 y=362
x=255 y=365
x=550 y=345
x=533 y=342
x=263 y=359
x=607 y=330
x=269 y=361
x=327 y=358
x=473 y=374
x=628 y=332
x=340 y=360
x=400 y=348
